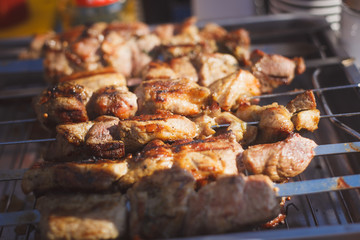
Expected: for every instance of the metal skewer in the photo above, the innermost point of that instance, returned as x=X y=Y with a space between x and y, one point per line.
x=302 y=91
x=282 y=190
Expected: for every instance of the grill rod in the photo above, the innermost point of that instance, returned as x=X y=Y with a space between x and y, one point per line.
x=214 y=126
x=302 y=91
x=282 y=190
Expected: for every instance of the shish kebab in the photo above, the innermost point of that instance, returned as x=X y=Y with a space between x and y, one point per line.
x=153 y=214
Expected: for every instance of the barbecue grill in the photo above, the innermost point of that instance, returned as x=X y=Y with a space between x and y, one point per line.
x=321 y=215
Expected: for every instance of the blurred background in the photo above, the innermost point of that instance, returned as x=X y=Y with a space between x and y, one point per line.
x=21 y=18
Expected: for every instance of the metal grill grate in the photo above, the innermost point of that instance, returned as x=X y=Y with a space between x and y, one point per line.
x=322 y=215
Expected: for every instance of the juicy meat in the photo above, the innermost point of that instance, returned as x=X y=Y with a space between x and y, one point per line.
x=307 y=119
x=159 y=204
x=273 y=70
x=112 y=100
x=275 y=124
x=179 y=96
x=236 y=126
x=63 y=103
x=214 y=66
x=252 y=113
x=81 y=176
x=139 y=130
x=165 y=205
x=82 y=216
x=234 y=88
x=280 y=160
x=231 y=203
x=213 y=31
x=158 y=70
x=238 y=43
x=155 y=156
x=66 y=102
x=209 y=158
x=304 y=101
x=183 y=67
x=96 y=138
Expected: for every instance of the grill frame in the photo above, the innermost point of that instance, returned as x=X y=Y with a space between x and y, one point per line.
x=340 y=215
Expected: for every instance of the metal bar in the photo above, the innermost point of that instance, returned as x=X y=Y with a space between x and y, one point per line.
x=318 y=185
x=302 y=91
x=28 y=141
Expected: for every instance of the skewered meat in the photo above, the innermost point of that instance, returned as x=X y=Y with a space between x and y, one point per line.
x=303 y=101
x=159 y=204
x=86 y=176
x=234 y=89
x=214 y=66
x=183 y=67
x=174 y=209
x=179 y=96
x=82 y=216
x=237 y=126
x=308 y=120
x=97 y=138
x=275 y=124
x=229 y=204
x=280 y=160
x=139 y=130
x=238 y=43
x=158 y=70
x=66 y=102
x=252 y=113
x=112 y=100
x=274 y=70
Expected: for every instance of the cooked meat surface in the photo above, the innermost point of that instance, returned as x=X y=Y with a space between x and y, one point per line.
x=81 y=176
x=275 y=124
x=234 y=89
x=64 y=103
x=179 y=96
x=183 y=67
x=209 y=158
x=97 y=138
x=304 y=101
x=82 y=216
x=236 y=126
x=280 y=160
x=159 y=204
x=308 y=120
x=112 y=100
x=229 y=204
x=273 y=70
x=158 y=70
x=252 y=113
x=175 y=209
x=238 y=43
x=139 y=130
x=214 y=66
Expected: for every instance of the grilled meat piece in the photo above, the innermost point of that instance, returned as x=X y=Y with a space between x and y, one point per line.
x=213 y=31
x=231 y=203
x=252 y=113
x=238 y=43
x=63 y=103
x=274 y=70
x=304 y=101
x=139 y=130
x=96 y=138
x=209 y=158
x=275 y=124
x=307 y=119
x=237 y=126
x=158 y=70
x=179 y=96
x=280 y=160
x=102 y=139
x=156 y=155
x=183 y=67
x=214 y=66
x=234 y=89
x=159 y=204
x=112 y=100
x=174 y=209
x=82 y=216
x=82 y=176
